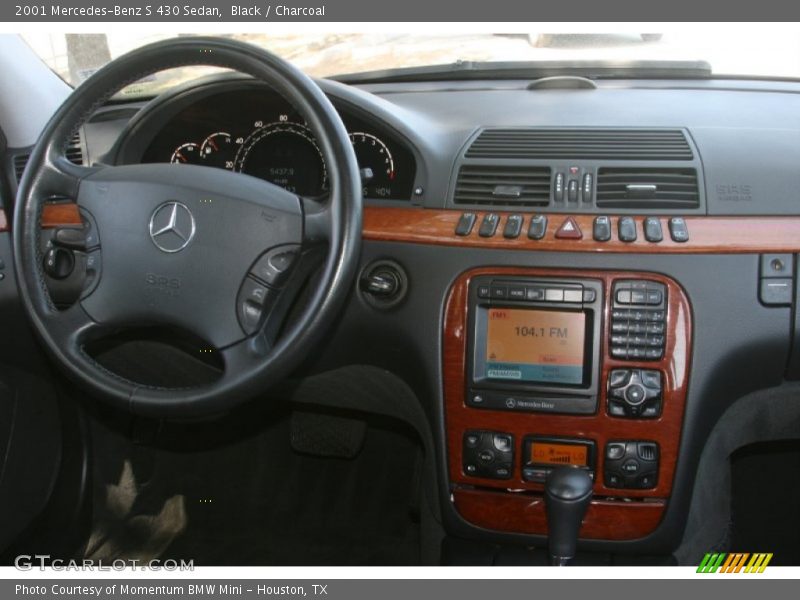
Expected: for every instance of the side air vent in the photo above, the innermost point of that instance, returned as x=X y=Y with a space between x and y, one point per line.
x=608 y=144
x=501 y=185
x=647 y=188
x=74 y=154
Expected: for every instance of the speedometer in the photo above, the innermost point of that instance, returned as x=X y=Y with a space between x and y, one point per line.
x=286 y=154
x=373 y=154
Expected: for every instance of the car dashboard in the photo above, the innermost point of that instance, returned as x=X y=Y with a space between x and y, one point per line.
x=640 y=236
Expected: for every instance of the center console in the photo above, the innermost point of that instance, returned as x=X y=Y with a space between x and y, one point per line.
x=548 y=368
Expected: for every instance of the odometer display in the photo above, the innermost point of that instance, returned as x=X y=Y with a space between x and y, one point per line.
x=286 y=154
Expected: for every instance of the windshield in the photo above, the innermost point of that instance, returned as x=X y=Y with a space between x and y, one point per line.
x=760 y=51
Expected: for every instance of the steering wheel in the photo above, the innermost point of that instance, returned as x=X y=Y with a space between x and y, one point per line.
x=215 y=253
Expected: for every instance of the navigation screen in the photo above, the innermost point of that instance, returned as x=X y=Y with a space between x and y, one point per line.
x=549 y=453
x=535 y=345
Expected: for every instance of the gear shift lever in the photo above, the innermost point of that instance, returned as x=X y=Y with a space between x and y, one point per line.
x=567 y=493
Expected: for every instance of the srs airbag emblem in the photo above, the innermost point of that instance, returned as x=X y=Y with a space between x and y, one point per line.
x=172 y=227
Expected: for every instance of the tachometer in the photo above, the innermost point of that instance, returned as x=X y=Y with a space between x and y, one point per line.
x=286 y=154
x=373 y=154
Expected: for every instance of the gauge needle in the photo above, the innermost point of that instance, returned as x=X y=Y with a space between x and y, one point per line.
x=181 y=157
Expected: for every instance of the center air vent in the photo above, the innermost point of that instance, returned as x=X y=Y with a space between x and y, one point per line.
x=647 y=188
x=73 y=152
x=501 y=185
x=609 y=144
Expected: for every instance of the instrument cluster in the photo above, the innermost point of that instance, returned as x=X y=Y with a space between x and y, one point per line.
x=258 y=133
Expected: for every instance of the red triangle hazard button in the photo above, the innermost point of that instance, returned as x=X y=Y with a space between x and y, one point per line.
x=569 y=230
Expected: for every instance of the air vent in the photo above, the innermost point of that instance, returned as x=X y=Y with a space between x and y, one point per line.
x=647 y=188
x=500 y=185
x=608 y=144
x=74 y=154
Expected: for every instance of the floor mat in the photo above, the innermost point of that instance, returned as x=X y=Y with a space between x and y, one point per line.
x=252 y=500
x=766 y=501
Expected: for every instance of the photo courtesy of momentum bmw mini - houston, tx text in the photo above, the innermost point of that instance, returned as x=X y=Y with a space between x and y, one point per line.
x=510 y=300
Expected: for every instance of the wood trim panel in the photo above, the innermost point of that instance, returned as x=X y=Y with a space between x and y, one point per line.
x=600 y=427
x=525 y=513
x=60 y=215
x=708 y=235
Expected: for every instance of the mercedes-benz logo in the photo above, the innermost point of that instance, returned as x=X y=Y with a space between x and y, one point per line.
x=172 y=227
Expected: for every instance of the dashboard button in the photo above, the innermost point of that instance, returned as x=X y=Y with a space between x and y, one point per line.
x=776 y=292
x=516 y=293
x=619 y=377
x=589 y=295
x=554 y=295
x=537 y=227
x=499 y=292
x=573 y=296
x=534 y=293
x=489 y=225
x=513 y=226
x=652 y=229
x=465 y=224
x=626 y=229
x=651 y=379
x=502 y=442
x=615 y=451
x=601 y=230
x=483 y=291
x=569 y=230
x=678 y=230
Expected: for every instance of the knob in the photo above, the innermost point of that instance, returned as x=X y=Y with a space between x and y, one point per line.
x=59 y=263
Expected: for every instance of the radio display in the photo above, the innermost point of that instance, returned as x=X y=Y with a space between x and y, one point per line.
x=541 y=346
x=550 y=453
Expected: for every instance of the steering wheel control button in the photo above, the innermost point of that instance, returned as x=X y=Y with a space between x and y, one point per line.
x=678 y=230
x=274 y=265
x=538 y=227
x=569 y=230
x=631 y=464
x=465 y=224
x=253 y=300
x=489 y=225
x=488 y=454
x=513 y=227
x=626 y=229
x=652 y=230
x=601 y=230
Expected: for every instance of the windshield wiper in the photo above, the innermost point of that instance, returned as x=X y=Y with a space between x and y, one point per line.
x=597 y=69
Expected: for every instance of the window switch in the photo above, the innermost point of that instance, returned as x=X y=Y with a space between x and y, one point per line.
x=465 y=224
